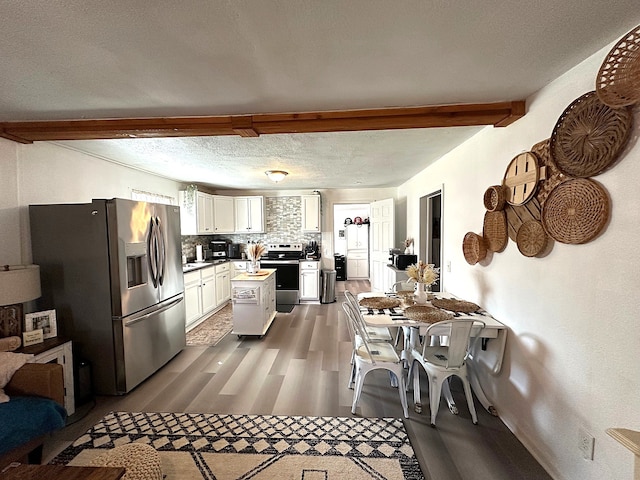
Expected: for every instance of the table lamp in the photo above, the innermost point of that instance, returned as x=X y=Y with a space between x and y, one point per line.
x=18 y=284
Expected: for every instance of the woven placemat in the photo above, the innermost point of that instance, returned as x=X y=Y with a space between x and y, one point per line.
x=531 y=238
x=426 y=314
x=589 y=136
x=455 y=305
x=576 y=211
x=618 y=80
x=494 y=231
x=379 y=302
x=405 y=293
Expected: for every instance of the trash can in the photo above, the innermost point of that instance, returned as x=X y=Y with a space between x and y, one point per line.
x=341 y=266
x=328 y=286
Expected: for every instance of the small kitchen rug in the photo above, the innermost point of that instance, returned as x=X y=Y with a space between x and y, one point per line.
x=223 y=447
x=213 y=329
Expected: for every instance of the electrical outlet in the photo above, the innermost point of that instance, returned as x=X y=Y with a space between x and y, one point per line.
x=585 y=444
x=448 y=265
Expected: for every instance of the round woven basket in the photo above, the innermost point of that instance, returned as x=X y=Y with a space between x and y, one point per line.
x=521 y=178
x=576 y=211
x=618 y=80
x=379 y=302
x=531 y=238
x=494 y=198
x=494 y=231
x=589 y=136
x=473 y=248
x=455 y=305
x=426 y=314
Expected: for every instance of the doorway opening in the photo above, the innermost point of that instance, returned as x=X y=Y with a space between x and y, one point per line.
x=431 y=232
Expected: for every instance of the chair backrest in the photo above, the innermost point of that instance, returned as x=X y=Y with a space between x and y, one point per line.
x=406 y=285
x=352 y=329
x=351 y=298
x=459 y=337
x=358 y=328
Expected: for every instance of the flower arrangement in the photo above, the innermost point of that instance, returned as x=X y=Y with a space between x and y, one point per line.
x=423 y=272
x=255 y=251
x=408 y=244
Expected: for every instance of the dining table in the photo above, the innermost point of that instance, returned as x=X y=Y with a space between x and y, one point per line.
x=493 y=331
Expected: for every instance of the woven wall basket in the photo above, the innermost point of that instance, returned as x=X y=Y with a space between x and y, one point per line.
x=576 y=211
x=495 y=198
x=531 y=238
x=494 y=231
x=554 y=176
x=589 y=136
x=618 y=80
x=473 y=248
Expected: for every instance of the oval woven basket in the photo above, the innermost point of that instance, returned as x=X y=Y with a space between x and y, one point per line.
x=494 y=198
x=473 y=248
x=576 y=211
x=494 y=231
x=531 y=238
x=618 y=80
x=589 y=136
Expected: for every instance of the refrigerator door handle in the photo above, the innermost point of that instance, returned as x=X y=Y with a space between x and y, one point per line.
x=157 y=310
x=162 y=254
x=152 y=248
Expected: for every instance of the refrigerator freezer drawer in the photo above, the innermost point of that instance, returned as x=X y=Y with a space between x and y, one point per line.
x=147 y=341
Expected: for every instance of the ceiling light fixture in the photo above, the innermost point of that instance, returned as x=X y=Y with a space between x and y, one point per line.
x=276 y=175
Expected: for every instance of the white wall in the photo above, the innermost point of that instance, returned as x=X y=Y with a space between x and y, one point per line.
x=572 y=352
x=46 y=173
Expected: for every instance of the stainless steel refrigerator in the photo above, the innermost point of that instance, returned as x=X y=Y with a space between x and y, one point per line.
x=112 y=270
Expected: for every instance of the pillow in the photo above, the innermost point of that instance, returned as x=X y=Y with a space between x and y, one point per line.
x=9 y=344
x=9 y=363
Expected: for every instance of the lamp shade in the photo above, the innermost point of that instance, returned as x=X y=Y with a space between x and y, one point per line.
x=19 y=283
x=276 y=175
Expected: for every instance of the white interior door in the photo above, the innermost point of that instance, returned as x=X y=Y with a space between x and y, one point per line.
x=382 y=239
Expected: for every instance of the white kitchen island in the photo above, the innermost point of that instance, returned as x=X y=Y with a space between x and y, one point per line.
x=254 y=302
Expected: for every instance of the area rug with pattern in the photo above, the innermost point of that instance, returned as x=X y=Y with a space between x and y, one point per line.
x=223 y=447
x=213 y=329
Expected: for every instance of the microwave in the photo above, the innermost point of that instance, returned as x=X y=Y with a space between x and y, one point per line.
x=218 y=248
x=401 y=260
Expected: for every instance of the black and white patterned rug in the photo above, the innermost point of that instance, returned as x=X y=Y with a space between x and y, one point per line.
x=212 y=446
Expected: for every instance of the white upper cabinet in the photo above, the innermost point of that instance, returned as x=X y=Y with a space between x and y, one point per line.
x=311 y=213
x=223 y=215
x=249 y=213
x=357 y=237
x=196 y=213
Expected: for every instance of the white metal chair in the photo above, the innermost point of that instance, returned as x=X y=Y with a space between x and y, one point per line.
x=406 y=331
x=372 y=356
x=373 y=334
x=441 y=362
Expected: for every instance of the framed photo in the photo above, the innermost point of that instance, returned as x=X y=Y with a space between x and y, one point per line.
x=42 y=320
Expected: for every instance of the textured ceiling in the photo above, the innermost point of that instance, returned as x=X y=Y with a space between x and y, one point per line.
x=75 y=59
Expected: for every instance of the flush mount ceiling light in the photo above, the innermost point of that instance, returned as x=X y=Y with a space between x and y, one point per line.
x=276 y=175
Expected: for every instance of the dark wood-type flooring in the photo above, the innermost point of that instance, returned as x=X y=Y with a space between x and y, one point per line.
x=301 y=367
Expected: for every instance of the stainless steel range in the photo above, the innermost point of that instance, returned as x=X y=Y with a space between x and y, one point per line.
x=285 y=258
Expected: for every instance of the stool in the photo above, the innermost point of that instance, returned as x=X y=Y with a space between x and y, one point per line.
x=141 y=461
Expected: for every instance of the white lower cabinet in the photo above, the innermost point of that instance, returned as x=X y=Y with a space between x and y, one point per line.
x=357 y=264
x=309 y=281
x=254 y=304
x=205 y=290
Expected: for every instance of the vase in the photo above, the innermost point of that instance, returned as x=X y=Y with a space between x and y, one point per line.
x=253 y=266
x=422 y=293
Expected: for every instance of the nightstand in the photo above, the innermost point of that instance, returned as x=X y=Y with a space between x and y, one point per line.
x=57 y=349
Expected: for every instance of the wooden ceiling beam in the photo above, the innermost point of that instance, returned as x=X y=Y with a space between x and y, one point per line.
x=497 y=114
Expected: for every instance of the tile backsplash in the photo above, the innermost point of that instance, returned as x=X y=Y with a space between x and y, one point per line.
x=283 y=224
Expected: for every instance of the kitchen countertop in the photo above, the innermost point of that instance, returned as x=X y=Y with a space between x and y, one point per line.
x=191 y=266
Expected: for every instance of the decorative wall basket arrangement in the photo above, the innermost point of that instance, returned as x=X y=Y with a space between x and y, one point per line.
x=589 y=136
x=576 y=211
x=618 y=80
x=546 y=194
